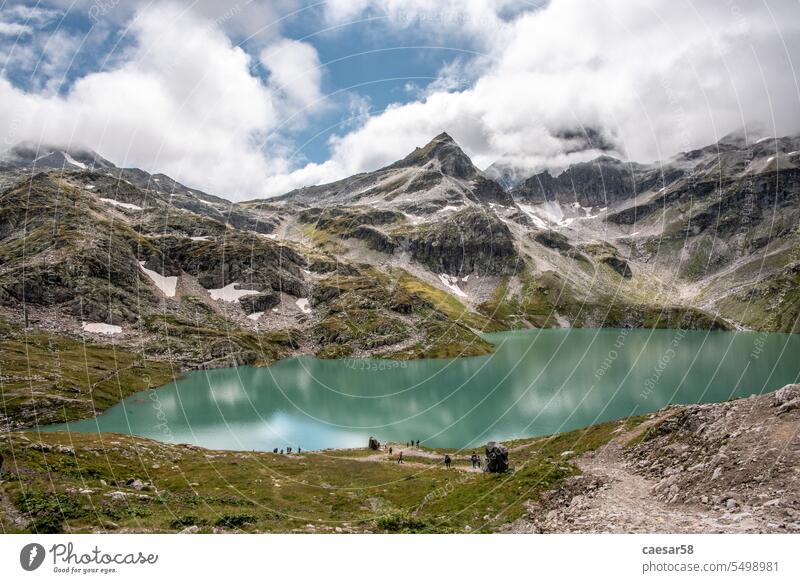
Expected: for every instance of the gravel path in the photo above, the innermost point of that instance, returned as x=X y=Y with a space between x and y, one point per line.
x=612 y=496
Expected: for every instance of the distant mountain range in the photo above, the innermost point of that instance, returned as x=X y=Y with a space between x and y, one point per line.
x=411 y=260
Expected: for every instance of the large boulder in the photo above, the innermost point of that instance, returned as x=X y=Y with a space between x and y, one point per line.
x=374 y=444
x=496 y=457
x=787 y=399
x=260 y=302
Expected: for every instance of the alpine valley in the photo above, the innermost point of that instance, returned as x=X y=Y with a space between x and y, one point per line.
x=414 y=260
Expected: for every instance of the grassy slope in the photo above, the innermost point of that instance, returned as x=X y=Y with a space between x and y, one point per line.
x=544 y=294
x=265 y=492
x=46 y=378
x=373 y=310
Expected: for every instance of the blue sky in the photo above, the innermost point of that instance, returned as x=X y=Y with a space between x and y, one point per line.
x=253 y=98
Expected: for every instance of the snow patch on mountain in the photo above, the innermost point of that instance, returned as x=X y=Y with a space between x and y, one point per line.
x=451 y=283
x=100 y=328
x=73 y=161
x=167 y=285
x=124 y=205
x=229 y=293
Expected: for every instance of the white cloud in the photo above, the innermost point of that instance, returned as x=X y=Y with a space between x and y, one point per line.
x=14 y=29
x=294 y=72
x=33 y=15
x=479 y=20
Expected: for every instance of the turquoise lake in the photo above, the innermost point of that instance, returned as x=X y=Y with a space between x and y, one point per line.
x=538 y=382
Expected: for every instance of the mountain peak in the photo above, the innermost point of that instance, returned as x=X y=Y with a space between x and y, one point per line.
x=443 y=137
x=442 y=153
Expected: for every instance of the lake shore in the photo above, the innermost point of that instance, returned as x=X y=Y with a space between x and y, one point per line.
x=537 y=383
x=570 y=482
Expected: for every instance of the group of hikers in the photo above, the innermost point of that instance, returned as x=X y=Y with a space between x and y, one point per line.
x=476 y=461
x=448 y=461
x=288 y=450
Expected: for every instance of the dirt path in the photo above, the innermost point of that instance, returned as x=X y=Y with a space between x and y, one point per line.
x=414 y=452
x=608 y=497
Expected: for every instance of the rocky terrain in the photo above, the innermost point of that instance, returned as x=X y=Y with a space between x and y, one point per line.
x=416 y=259
x=722 y=467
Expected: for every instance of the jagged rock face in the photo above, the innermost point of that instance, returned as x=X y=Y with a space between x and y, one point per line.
x=597 y=183
x=470 y=241
x=343 y=218
x=617 y=264
x=489 y=192
x=258 y=264
x=375 y=239
x=55 y=253
x=762 y=194
x=61 y=248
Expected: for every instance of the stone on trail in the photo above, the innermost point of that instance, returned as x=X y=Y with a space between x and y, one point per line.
x=496 y=457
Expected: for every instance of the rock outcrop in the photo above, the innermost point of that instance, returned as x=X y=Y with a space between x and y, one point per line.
x=496 y=458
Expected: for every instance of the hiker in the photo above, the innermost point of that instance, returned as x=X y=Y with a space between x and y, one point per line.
x=281 y=452
x=299 y=450
x=418 y=443
x=288 y=450
x=447 y=461
x=476 y=461
x=275 y=450
x=390 y=451
x=400 y=458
